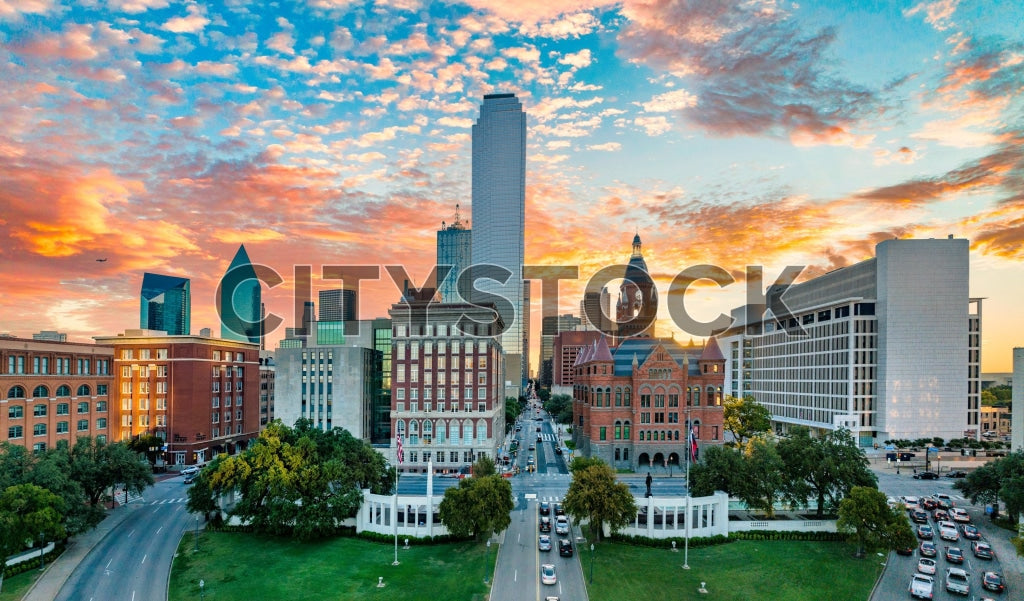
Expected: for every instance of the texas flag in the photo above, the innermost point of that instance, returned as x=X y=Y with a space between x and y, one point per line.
x=398 y=446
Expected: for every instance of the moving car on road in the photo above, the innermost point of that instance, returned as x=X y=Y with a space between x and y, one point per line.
x=959 y=515
x=957 y=582
x=561 y=525
x=547 y=574
x=544 y=542
x=926 y=566
x=921 y=586
x=982 y=550
x=927 y=549
x=926 y=476
x=993 y=581
x=970 y=532
x=957 y=474
x=948 y=531
x=565 y=547
x=925 y=532
x=954 y=555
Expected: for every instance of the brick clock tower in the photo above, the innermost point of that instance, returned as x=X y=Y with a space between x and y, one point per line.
x=637 y=307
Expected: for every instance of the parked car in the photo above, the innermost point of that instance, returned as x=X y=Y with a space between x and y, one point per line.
x=565 y=547
x=954 y=555
x=547 y=574
x=993 y=581
x=921 y=586
x=957 y=582
x=970 y=532
x=192 y=469
x=926 y=476
x=982 y=550
x=925 y=532
x=544 y=542
x=926 y=566
x=927 y=549
x=957 y=474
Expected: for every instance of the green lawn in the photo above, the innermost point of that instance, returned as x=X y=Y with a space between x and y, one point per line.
x=740 y=571
x=15 y=587
x=248 y=567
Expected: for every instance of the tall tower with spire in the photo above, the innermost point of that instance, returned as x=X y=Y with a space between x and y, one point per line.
x=239 y=302
x=637 y=306
x=454 y=250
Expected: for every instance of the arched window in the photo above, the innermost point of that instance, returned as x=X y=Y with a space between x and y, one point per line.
x=677 y=434
x=481 y=431
x=711 y=395
x=40 y=392
x=625 y=430
x=599 y=398
x=64 y=390
x=641 y=435
x=16 y=392
x=618 y=430
x=467 y=432
x=441 y=431
x=718 y=397
x=626 y=401
x=618 y=397
x=696 y=396
x=428 y=431
x=399 y=427
x=84 y=390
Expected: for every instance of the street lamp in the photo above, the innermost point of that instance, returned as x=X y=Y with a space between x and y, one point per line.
x=591 y=563
x=487 y=560
x=197 y=534
x=42 y=548
x=202 y=591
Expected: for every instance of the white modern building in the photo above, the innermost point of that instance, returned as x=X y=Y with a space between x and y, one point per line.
x=447 y=384
x=499 y=220
x=889 y=347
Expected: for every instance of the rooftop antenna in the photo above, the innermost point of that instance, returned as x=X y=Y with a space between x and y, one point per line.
x=457 y=224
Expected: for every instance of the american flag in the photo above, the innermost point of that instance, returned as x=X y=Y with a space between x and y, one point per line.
x=398 y=446
x=693 y=443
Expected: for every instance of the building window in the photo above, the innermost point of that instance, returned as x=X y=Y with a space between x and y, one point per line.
x=15 y=412
x=39 y=430
x=39 y=410
x=618 y=431
x=40 y=392
x=101 y=406
x=63 y=408
x=101 y=390
x=15 y=432
x=101 y=423
x=83 y=425
x=604 y=435
x=16 y=392
x=62 y=427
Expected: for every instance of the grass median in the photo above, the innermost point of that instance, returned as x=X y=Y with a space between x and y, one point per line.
x=740 y=571
x=250 y=567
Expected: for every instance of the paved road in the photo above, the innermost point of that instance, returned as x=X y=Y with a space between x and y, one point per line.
x=133 y=562
x=899 y=569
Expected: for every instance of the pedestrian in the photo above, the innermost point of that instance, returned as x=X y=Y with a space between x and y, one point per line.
x=915 y=471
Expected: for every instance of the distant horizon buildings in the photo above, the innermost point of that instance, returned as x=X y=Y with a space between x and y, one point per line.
x=454 y=249
x=239 y=302
x=337 y=304
x=889 y=347
x=499 y=223
x=165 y=304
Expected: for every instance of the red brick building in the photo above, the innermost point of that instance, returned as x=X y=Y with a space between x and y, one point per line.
x=201 y=395
x=567 y=347
x=53 y=391
x=630 y=403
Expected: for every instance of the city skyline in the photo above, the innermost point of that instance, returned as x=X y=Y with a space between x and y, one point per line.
x=143 y=136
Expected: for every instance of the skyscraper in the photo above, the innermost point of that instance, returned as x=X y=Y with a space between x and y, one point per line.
x=338 y=304
x=238 y=301
x=454 y=249
x=165 y=304
x=499 y=219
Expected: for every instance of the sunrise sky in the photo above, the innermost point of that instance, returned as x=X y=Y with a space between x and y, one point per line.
x=160 y=135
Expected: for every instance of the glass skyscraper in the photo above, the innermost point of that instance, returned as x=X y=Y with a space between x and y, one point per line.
x=239 y=301
x=338 y=304
x=499 y=217
x=165 y=304
x=455 y=249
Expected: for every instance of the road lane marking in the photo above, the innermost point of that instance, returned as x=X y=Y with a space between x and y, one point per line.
x=159 y=529
x=144 y=559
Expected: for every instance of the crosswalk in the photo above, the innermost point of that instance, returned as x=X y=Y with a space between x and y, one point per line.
x=169 y=501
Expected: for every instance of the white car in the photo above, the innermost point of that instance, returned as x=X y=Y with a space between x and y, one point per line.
x=957 y=581
x=926 y=566
x=547 y=574
x=561 y=525
x=959 y=515
x=948 y=531
x=910 y=503
x=921 y=586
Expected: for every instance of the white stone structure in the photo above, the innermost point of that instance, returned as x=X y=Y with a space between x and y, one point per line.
x=1017 y=397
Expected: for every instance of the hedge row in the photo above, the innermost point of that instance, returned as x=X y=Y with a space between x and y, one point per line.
x=413 y=540
x=33 y=564
x=706 y=541
x=790 y=535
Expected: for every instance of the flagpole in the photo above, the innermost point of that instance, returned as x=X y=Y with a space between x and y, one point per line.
x=394 y=516
x=689 y=451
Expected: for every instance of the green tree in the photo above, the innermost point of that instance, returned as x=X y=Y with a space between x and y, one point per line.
x=1002 y=479
x=745 y=418
x=823 y=468
x=581 y=463
x=988 y=398
x=560 y=407
x=720 y=468
x=477 y=506
x=595 y=494
x=513 y=409
x=26 y=512
x=484 y=466
x=544 y=394
x=762 y=482
x=300 y=480
x=148 y=445
x=865 y=513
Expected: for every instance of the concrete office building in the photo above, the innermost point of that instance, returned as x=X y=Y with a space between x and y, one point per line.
x=338 y=304
x=267 y=386
x=1017 y=397
x=596 y=311
x=454 y=249
x=447 y=386
x=499 y=220
x=201 y=395
x=889 y=347
x=165 y=303
x=54 y=391
x=51 y=336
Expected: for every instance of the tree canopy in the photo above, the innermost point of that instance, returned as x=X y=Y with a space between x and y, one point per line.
x=299 y=480
x=560 y=407
x=478 y=506
x=874 y=524
x=824 y=468
x=720 y=468
x=27 y=512
x=595 y=494
x=1002 y=479
x=744 y=418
